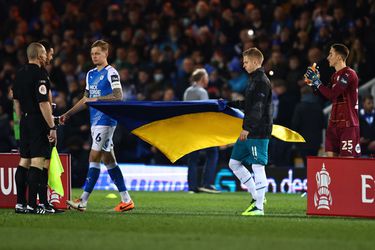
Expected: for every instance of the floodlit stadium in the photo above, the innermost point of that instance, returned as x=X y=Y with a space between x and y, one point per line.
x=192 y=124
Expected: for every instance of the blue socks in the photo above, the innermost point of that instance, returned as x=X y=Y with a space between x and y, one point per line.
x=92 y=176
x=117 y=177
x=113 y=171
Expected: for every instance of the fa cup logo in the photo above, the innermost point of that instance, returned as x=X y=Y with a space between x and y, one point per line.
x=323 y=198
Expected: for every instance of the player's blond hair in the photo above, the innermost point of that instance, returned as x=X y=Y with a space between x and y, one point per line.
x=103 y=45
x=255 y=53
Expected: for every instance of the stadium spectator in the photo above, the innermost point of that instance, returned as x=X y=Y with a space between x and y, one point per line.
x=280 y=151
x=7 y=141
x=277 y=65
x=183 y=77
x=280 y=21
x=358 y=60
x=238 y=79
x=255 y=20
x=294 y=79
x=308 y=120
x=339 y=23
x=169 y=94
x=367 y=125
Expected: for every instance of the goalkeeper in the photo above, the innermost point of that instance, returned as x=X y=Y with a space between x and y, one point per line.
x=342 y=136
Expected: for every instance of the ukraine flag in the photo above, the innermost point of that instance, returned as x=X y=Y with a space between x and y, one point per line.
x=178 y=128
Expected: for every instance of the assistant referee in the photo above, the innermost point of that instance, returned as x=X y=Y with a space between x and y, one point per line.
x=37 y=127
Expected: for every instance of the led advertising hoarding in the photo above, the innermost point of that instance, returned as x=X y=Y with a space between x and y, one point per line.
x=139 y=177
x=8 y=190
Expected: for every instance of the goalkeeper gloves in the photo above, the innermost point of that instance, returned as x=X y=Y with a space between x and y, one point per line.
x=312 y=77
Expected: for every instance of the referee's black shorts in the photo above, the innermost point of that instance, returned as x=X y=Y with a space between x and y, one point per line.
x=34 y=133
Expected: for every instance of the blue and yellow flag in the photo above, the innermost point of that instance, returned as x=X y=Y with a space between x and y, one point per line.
x=178 y=128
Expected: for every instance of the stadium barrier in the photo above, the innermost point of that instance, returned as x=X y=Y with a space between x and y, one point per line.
x=8 y=190
x=158 y=178
x=280 y=180
x=140 y=177
x=341 y=187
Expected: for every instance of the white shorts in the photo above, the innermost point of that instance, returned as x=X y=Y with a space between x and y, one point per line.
x=102 y=138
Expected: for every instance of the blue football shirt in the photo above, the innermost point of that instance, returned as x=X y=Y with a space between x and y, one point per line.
x=101 y=83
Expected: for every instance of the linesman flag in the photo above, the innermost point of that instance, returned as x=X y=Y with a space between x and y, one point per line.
x=177 y=128
x=54 y=173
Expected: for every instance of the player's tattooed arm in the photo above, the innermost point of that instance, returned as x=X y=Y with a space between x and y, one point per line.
x=115 y=96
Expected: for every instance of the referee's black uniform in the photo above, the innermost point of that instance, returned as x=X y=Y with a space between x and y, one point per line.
x=31 y=87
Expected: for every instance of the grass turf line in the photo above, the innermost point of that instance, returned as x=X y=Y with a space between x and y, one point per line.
x=177 y=220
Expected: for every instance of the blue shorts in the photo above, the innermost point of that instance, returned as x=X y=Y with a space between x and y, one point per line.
x=251 y=151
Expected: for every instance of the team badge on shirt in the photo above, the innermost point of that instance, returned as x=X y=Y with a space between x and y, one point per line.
x=358 y=148
x=115 y=78
x=344 y=79
x=42 y=89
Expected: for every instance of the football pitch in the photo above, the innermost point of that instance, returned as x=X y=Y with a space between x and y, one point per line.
x=178 y=220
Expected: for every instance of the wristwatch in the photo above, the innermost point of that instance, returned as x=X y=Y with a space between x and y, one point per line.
x=53 y=128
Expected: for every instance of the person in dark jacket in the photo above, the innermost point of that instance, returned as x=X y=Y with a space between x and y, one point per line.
x=367 y=125
x=37 y=127
x=308 y=120
x=252 y=144
x=43 y=187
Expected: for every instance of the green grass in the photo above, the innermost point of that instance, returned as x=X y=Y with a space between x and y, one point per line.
x=185 y=221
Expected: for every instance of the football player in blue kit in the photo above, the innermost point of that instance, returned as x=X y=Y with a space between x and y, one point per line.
x=102 y=84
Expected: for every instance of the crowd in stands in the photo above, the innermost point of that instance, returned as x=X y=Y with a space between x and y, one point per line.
x=156 y=45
